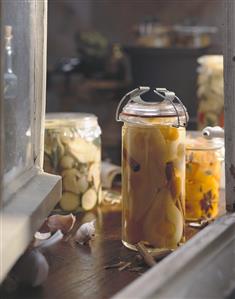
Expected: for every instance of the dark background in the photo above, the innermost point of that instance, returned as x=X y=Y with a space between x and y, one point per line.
x=115 y=19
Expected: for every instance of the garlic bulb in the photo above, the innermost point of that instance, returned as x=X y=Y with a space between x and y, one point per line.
x=31 y=269
x=39 y=238
x=51 y=241
x=64 y=223
x=85 y=233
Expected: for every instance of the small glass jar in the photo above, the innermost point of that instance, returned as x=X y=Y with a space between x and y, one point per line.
x=73 y=150
x=203 y=175
x=153 y=171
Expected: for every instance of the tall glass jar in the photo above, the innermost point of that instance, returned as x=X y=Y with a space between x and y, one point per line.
x=73 y=150
x=203 y=175
x=153 y=170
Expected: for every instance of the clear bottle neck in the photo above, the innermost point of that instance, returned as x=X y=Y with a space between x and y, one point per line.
x=8 y=55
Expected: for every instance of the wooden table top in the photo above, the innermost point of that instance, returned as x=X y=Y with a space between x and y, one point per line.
x=78 y=271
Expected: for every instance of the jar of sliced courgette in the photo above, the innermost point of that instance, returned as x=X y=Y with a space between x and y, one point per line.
x=73 y=150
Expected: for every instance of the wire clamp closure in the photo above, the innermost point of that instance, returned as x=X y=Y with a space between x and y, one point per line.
x=134 y=96
x=171 y=97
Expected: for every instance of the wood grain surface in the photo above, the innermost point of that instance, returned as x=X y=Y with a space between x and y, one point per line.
x=78 y=271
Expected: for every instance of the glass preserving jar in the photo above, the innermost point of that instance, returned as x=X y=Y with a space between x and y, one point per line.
x=203 y=175
x=210 y=91
x=153 y=170
x=73 y=150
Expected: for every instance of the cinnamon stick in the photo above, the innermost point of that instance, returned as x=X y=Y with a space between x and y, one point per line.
x=126 y=265
x=134 y=165
x=149 y=260
x=160 y=254
x=117 y=265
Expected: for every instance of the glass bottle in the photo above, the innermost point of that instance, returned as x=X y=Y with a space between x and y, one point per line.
x=10 y=93
x=153 y=170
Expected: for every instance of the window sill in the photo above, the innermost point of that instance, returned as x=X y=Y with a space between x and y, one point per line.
x=202 y=268
x=82 y=270
x=23 y=215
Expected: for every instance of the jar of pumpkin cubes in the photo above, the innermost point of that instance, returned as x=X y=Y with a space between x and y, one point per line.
x=203 y=174
x=73 y=150
x=153 y=170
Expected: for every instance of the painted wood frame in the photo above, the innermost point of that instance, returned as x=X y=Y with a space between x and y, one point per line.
x=1 y=119
x=229 y=103
x=22 y=215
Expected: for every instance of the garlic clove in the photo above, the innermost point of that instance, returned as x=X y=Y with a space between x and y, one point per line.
x=40 y=238
x=66 y=135
x=70 y=184
x=67 y=162
x=85 y=233
x=51 y=241
x=63 y=222
x=82 y=184
x=71 y=171
x=31 y=269
x=69 y=201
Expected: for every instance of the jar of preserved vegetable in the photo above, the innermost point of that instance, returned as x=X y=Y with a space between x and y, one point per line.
x=73 y=150
x=153 y=169
x=210 y=91
x=203 y=175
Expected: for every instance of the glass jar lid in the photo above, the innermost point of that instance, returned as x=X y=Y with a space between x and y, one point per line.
x=78 y=120
x=158 y=109
x=137 y=107
x=195 y=141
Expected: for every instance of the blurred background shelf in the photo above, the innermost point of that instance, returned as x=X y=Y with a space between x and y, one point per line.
x=98 y=51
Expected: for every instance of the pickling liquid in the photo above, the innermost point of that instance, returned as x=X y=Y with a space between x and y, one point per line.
x=203 y=170
x=153 y=185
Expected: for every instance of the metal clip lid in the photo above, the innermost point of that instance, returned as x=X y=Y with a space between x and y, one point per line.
x=136 y=106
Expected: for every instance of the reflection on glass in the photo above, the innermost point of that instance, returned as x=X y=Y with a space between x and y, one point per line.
x=10 y=91
x=18 y=88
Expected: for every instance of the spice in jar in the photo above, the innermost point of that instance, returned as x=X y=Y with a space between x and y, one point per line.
x=203 y=172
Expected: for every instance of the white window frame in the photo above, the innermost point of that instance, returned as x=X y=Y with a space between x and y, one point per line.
x=173 y=276
x=35 y=192
x=204 y=267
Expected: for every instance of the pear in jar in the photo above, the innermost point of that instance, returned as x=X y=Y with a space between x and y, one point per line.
x=163 y=227
x=144 y=167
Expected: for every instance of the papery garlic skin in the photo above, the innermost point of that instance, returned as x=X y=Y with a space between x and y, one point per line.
x=39 y=238
x=42 y=236
x=56 y=237
x=63 y=222
x=85 y=233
